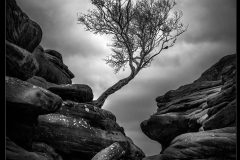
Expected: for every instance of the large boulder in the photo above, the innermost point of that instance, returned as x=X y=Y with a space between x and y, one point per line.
x=86 y=111
x=24 y=102
x=27 y=98
x=50 y=71
x=19 y=62
x=212 y=144
x=21 y=30
x=206 y=104
x=74 y=92
x=178 y=114
x=56 y=58
x=41 y=152
x=72 y=131
x=164 y=127
x=96 y=117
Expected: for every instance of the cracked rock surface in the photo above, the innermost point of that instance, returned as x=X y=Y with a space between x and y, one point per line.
x=196 y=110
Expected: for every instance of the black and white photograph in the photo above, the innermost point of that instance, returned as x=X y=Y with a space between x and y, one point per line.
x=121 y=79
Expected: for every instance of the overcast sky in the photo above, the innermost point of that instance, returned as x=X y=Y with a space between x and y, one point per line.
x=211 y=35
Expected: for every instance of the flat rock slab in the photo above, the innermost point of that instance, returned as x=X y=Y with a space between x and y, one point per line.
x=75 y=92
x=25 y=97
x=96 y=117
x=84 y=110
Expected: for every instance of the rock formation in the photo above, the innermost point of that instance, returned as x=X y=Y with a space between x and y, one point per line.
x=51 y=67
x=48 y=117
x=20 y=30
x=198 y=120
x=20 y=63
x=114 y=151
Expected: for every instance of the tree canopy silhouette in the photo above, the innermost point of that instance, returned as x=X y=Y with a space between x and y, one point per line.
x=140 y=31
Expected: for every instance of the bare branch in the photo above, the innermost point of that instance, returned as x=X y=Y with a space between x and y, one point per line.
x=140 y=31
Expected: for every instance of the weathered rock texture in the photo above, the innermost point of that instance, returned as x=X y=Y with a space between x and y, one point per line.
x=21 y=30
x=113 y=152
x=52 y=68
x=215 y=144
x=19 y=62
x=24 y=102
x=47 y=117
x=74 y=130
x=75 y=92
x=29 y=98
x=207 y=105
x=56 y=58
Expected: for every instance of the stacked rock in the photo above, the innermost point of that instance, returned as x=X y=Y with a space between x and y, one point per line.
x=48 y=117
x=198 y=120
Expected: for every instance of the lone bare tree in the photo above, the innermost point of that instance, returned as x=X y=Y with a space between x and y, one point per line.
x=140 y=31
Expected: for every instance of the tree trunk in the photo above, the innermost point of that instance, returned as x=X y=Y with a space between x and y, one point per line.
x=100 y=101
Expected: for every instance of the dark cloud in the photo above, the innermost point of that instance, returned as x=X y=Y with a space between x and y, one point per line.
x=61 y=31
x=213 y=20
x=210 y=36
